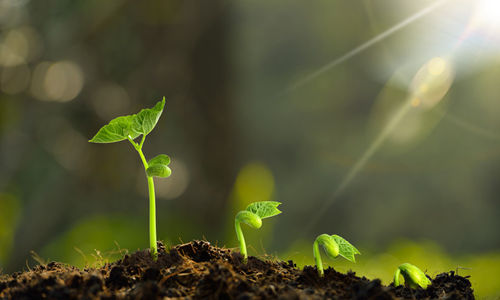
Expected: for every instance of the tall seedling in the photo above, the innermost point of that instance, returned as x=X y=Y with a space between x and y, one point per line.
x=130 y=128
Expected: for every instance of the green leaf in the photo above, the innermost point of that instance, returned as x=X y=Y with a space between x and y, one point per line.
x=116 y=130
x=346 y=250
x=264 y=209
x=147 y=118
x=161 y=159
x=158 y=170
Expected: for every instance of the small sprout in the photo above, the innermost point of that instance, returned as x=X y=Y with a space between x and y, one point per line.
x=334 y=246
x=413 y=276
x=252 y=216
x=129 y=128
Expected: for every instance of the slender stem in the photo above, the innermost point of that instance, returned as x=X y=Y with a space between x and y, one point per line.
x=142 y=141
x=241 y=239
x=152 y=218
x=152 y=205
x=144 y=161
x=396 y=277
x=317 y=258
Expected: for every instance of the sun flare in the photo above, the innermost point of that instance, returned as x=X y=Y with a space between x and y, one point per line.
x=488 y=13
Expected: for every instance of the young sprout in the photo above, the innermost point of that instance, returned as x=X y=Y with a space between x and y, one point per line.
x=129 y=128
x=413 y=276
x=334 y=246
x=252 y=216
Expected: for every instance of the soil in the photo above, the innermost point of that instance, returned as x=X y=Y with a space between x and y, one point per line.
x=199 y=270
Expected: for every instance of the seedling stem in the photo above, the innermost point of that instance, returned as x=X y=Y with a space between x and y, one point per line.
x=152 y=199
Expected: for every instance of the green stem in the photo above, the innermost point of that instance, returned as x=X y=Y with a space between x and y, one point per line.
x=152 y=218
x=317 y=258
x=241 y=239
x=396 y=277
x=152 y=205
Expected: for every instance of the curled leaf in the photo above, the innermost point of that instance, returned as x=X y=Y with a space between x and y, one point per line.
x=346 y=250
x=329 y=245
x=249 y=218
x=161 y=159
x=158 y=170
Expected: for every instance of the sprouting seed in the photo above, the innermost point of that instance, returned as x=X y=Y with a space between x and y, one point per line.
x=413 y=276
x=252 y=216
x=334 y=246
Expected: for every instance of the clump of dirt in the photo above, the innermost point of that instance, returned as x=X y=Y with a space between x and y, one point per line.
x=199 y=270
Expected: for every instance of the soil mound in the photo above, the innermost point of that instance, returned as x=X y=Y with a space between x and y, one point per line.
x=199 y=270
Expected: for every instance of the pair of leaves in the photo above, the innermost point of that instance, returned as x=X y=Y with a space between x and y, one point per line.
x=345 y=249
x=158 y=166
x=121 y=128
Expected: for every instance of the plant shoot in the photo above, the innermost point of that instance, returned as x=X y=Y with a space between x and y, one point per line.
x=130 y=128
x=334 y=246
x=413 y=276
x=252 y=216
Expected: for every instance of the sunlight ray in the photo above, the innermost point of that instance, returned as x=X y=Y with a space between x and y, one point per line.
x=471 y=127
x=361 y=162
x=362 y=47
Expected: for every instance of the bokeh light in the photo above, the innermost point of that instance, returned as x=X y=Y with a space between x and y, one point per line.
x=110 y=100
x=255 y=182
x=63 y=81
x=431 y=83
x=176 y=185
x=59 y=81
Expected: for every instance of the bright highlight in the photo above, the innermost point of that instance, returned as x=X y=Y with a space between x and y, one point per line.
x=431 y=83
x=488 y=13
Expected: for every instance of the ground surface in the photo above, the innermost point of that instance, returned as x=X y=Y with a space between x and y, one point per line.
x=202 y=271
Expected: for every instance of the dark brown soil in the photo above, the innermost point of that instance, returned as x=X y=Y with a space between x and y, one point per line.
x=201 y=271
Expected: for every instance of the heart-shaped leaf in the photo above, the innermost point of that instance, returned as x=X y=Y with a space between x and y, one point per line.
x=264 y=209
x=346 y=250
x=116 y=130
x=147 y=118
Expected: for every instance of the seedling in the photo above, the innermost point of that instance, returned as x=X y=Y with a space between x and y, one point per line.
x=130 y=128
x=334 y=246
x=413 y=276
x=252 y=216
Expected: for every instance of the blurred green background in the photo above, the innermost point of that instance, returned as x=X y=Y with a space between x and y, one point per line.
x=394 y=145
